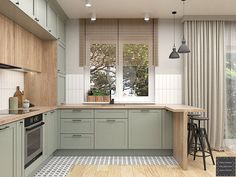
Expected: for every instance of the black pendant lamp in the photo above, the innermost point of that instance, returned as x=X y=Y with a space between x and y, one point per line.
x=183 y=48
x=174 y=54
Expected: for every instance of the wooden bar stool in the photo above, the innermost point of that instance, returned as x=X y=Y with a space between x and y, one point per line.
x=200 y=134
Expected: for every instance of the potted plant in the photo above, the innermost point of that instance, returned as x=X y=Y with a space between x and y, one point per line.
x=90 y=97
x=98 y=96
x=106 y=97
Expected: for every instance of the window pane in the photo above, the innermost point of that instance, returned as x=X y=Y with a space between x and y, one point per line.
x=135 y=70
x=102 y=67
x=231 y=95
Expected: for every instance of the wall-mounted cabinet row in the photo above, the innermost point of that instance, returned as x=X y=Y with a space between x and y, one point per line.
x=43 y=12
x=116 y=129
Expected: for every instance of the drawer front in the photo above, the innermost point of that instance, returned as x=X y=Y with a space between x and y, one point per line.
x=77 y=141
x=111 y=134
x=77 y=114
x=77 y=125
x=111 y=114
x=145 y=113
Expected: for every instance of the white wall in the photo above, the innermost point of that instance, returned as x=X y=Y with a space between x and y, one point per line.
x=8 y=82
x=168 y=74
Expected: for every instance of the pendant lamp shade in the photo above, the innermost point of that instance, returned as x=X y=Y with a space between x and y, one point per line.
x=183 y=48
x=174 y=54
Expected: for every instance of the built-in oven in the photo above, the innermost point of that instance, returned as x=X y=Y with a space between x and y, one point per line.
x=33 y=138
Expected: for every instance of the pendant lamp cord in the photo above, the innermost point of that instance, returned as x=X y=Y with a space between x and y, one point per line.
x=174 y=30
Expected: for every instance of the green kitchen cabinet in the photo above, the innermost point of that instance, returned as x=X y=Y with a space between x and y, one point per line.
x=111 y=114
x=167 y=124
x=40 y=12
x=77 y=114
x=61 y=30
x=77 y=141
x=50 y=133
x=8 y=150
x=145 y=129
x=51 y=20
x=61 y=89
x=111 y=134
x=20 y=144
x=27 y=6
x=61 y=59
x=77 y=125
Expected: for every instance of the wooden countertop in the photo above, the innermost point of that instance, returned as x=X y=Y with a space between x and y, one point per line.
x=5 y=119
x=172 y=108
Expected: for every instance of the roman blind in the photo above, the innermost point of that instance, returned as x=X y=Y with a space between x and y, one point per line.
x=116 y=31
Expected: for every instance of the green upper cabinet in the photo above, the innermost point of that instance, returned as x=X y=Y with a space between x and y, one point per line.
x=8 y=150
x=27 y=6
x=51 y=20
x=61 y=30
x=61 y=52
x=40 y=11
x=145 y=129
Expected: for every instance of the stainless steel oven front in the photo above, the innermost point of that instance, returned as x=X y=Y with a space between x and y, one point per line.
x=33 y=138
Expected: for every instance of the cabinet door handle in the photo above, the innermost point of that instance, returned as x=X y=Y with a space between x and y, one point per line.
x=52 y=111
x=4 y=128
x=21 y=122
x=17 y=3
x=110 y=120
x=77 y=120
x=144 y=110
x=49 y=31
x=76 y=136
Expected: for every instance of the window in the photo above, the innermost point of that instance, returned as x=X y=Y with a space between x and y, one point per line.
x=119 y=57
x=135 y=70
x=102 y=67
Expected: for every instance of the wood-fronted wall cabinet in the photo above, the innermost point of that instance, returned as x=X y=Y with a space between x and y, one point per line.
x=6 y=41
x=28 y=49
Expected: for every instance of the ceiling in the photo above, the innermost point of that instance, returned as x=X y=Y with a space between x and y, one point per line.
x=138 y=8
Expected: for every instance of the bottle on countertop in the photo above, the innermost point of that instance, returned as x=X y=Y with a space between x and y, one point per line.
x=19 y=95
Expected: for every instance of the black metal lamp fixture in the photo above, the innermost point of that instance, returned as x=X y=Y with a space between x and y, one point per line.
x=183 y=48
x=174 y=54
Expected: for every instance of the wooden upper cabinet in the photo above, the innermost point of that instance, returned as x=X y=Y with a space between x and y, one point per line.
x=28 y=49
x=6 y=40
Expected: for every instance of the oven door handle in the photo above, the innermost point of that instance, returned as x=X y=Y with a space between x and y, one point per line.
x=39 y=125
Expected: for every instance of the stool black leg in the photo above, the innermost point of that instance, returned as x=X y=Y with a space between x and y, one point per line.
x=191 y=141
x=195 y=148
x=209 y=147
x=203 y=150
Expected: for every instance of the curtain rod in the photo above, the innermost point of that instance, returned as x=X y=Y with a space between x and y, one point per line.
x=209 y=18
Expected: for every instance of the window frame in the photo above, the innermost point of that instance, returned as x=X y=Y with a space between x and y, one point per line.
x=119 y=71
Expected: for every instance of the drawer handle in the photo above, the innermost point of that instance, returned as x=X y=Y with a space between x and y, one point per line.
x=77 y=120
x=52 y=111
x=4 y=128
x=144 y=110
x=111 y=120
x=76 y=136
x=76 y=110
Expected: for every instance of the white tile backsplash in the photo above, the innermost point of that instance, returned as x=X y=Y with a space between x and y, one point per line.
x=168 y=88
x=8 y=82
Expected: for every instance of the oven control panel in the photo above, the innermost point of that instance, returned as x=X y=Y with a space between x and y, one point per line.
x=34 y=119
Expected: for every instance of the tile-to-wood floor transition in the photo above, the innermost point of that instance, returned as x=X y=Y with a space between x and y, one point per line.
x=163 y=168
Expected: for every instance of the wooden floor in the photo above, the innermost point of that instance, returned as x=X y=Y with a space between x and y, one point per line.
x=195 y=169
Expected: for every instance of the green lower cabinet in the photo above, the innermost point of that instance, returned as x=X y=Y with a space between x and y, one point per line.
x=111 y=134
x=77 y=125
x=20 y=150
x=145 y=129
x=77 y=141
x=167 y=124
x=8 y=150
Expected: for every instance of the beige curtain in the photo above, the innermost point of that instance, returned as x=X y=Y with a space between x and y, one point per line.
x=204 y=74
